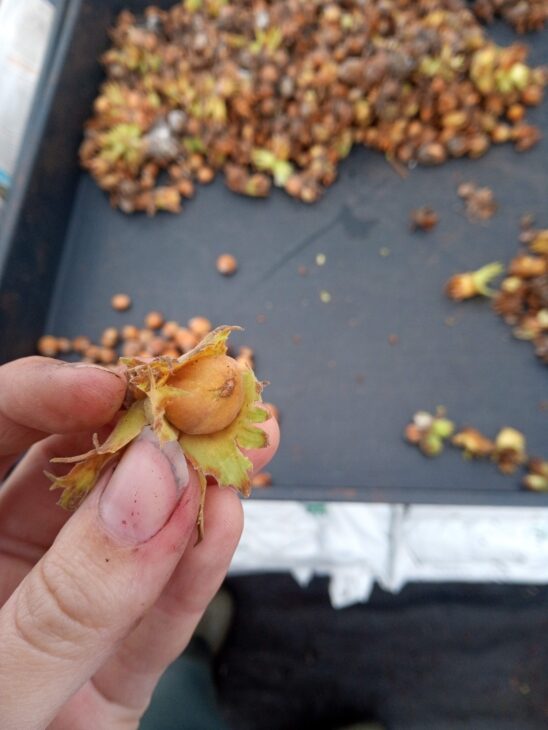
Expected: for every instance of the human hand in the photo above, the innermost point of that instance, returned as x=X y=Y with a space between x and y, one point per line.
x=96 y=604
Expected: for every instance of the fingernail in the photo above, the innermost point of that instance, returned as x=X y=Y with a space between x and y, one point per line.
x=144 y=489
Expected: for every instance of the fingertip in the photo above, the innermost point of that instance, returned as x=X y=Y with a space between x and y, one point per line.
x=57 y=397
x=224 y=519
x=95 y=392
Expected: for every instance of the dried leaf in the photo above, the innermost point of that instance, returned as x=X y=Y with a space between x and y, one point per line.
x=80 y=480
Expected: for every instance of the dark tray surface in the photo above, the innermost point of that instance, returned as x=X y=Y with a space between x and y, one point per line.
x=341 y=437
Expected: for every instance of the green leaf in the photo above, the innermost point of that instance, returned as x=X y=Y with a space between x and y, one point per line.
x=218 y=455
x=128 y=427
x=250 y=437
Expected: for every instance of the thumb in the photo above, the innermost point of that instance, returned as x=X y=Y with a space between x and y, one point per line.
x=107 y=566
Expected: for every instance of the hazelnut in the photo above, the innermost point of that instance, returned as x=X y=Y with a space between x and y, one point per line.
x=200 y=326
x=80 y=344
x=154 y=320
x=227 y=264
x=121 y=302
x=130 y=332
x=109 y=338
x=48 y=346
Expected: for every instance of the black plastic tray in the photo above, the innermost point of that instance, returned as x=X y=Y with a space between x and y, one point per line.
x=345 y=393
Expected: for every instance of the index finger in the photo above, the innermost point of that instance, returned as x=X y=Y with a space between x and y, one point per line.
x=41 y=396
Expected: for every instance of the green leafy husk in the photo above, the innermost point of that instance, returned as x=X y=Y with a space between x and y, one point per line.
x=218 y=455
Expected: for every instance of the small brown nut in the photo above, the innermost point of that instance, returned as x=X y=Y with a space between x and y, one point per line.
x=185 y=339
x=48 y=346
x=424 y=218
x=244 y=362
x=156 y=346
x=262 y=479
x=146 y=336
x=227 y=264
x=294 y=186
x=200 y=326
x=205 y=175
x=93 y=353
x=186 y=188
x=80 y=344
x=413 y=433
x=107 y=355
x=64 y=344
x=154 y=320
x=515 y=112
x=532 y=95
x=131 y=348
x=171 y=352
x=130 y=332
x=170 y=329
x=121 y=302
x=466 y=189
x=246 y=352
x=109 y=338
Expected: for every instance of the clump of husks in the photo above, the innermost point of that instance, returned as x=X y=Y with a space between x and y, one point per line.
x=277 y=93
x=508 y=450
x=522 y=297
x=204 y=400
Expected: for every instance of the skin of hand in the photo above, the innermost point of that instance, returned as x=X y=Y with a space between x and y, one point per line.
x=97 y=603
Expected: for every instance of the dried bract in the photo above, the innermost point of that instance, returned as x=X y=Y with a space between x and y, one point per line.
x=473 y=283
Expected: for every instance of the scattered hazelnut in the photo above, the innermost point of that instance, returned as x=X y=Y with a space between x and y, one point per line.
x=64 y=345
x=107 y=356
x=48 y=346
x=170 y=329
x=154 y=320
x=227 y=264
x=262 y=479
x=121 y=302
x=80 y=344
x=130 y=332
x=200 y=326
x=185 y=339
x=109 y=338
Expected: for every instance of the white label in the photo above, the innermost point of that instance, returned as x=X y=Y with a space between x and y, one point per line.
x=24 y=33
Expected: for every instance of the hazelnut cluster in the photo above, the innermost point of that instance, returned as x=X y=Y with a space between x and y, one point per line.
x=523 y=15
x=508 y=450
x=522 y=300
x=156 y=338
x=278 y=93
